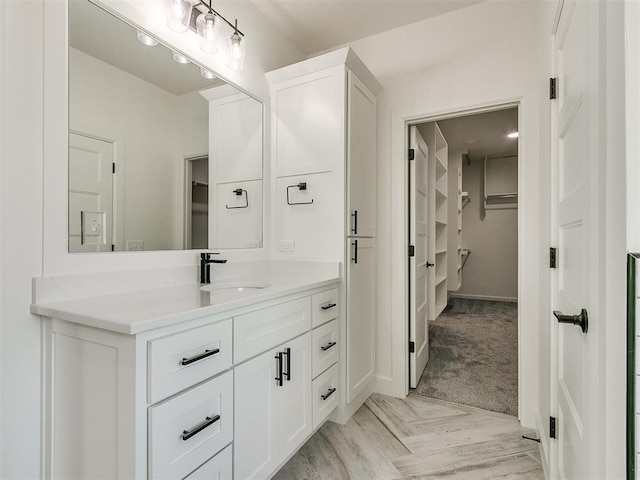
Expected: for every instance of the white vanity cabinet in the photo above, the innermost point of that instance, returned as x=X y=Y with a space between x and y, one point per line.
x=324 y=173
x=227 y=395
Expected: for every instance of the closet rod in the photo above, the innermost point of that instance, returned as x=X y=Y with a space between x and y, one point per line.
x=500 y=156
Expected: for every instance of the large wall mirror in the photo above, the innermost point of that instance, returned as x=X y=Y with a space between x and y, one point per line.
x=163 y=155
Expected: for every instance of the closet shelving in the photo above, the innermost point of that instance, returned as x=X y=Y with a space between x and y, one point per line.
x=455 y=232
x=438 y=175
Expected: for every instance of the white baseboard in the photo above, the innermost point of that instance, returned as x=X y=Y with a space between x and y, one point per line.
x=344 y=412
x=386 y=386
x=483 y=297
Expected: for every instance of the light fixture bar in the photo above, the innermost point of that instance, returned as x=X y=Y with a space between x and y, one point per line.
x=196 y=12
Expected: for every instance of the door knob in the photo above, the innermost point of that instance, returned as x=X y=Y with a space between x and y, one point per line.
x=428 y=264
x=581 y=320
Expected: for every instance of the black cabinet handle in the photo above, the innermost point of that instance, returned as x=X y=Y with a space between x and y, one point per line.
x=287 y=352
x=186 y=434
x=278 y=378
x=354 y=229
x=328 y=394
x=354 y=259
x=328 y=346
x=207 y=353
x=328 y=306
x=581 y=320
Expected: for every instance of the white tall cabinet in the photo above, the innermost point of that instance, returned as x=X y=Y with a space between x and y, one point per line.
x=324 y=173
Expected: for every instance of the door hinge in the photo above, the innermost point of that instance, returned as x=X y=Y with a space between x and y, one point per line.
x=412 y=154
x=113 y=247
x=113 y=168
x=552 y=427
x=553 y=257
x=412 y=250
x=412 y=347
x=553 y=88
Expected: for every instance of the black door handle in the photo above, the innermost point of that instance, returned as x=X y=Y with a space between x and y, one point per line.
x=428 y=264
x=278 y=378
x=581 y=320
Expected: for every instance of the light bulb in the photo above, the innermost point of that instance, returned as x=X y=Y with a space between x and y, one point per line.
x=237 y=50
x=206 y=27
x=513 y=135
x=178 y=14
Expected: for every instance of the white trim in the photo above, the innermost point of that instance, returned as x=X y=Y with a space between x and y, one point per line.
x=543 y=446
x=401 y=119
x=484 y=297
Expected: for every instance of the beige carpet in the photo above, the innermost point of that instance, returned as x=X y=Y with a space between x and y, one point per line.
x=473 y=356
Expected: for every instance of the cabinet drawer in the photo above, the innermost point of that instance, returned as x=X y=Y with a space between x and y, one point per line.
x=258 y=331
x=324 y=347
x=219 y=467
x=187 y=430
x=325 y=395
x=325 y=306
x=179 y=361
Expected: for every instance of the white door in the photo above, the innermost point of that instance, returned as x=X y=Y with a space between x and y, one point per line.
x=255 y=439
x=361 y=161
x=418 y=263
x=90 y=194
x=576 y=231
x=295 y=395
x=361 y=314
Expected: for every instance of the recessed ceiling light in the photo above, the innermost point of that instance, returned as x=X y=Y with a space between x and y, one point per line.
x=207 y=74
x=146 y=39
x=513 y=135
x=178 y=57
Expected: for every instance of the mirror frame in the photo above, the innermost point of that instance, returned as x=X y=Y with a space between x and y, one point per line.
x=56 y=258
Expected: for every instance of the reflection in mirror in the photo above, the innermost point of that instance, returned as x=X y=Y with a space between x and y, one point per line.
x=163 y=155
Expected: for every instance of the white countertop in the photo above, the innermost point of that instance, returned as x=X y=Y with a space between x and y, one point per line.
x=137 y=311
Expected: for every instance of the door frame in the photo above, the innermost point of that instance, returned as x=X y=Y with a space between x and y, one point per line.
x=401 y=121
x=188 y=176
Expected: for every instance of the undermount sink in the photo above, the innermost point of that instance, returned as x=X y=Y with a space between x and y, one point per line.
x=235 y=286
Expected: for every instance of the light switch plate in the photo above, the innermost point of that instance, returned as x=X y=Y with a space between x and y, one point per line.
x=93 y=228
x=287 y=245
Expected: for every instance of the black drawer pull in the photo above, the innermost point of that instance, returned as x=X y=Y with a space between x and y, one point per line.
x=278 y=378
x=186 y=434
x=328 y=346
x=287 y=352
x=207 y=353
x=328 y=306
x=328 y=394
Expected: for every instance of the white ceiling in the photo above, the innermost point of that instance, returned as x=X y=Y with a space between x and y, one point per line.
x=482 y=134
x=319 y=25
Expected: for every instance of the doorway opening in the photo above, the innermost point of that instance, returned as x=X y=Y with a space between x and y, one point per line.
x=463 y=258
x=197 y=203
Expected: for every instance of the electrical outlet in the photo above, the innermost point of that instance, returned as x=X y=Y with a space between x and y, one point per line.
x=287 y=245
x=135 y=245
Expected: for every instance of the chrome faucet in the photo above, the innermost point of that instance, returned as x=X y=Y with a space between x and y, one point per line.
x=205 y=261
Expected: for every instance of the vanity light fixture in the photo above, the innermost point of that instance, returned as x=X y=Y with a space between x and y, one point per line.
x=207 y=23
x=178 y=14
x=178 y=57
x=146 y=39
x=209 y=75
x=513 y=135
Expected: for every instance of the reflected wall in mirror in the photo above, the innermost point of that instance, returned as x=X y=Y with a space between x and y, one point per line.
x=163 y=155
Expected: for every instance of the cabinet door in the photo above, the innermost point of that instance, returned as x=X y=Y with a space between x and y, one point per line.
x=295 y=395
x=256 y=452
x=361 y=160
x=361 y=295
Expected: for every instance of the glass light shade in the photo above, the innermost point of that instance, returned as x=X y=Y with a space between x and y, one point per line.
x=147 y=40
x=178 y=14
x=206 y=27
x=178 y=57
x=237 y=51
x=207 y=74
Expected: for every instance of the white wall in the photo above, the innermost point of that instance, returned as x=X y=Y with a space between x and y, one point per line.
x=492 y=268
x=477 y=56
x=33 y=140
x=157 y=130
